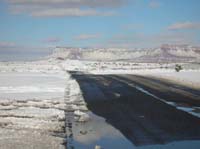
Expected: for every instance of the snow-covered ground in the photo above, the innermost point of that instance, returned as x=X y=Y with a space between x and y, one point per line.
x=30 y=85
x=34 y=96
x=31 y=104
x=189 y=78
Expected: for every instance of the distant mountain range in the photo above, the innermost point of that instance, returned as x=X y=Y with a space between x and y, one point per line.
x=165 y=53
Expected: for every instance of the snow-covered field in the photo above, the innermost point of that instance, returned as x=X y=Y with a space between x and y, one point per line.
x=30 y=85
x=34 y=96
x=189 y=78
x=47 y=78
x=33 y=99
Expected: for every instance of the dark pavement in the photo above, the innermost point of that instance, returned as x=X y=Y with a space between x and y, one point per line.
x=140 y=117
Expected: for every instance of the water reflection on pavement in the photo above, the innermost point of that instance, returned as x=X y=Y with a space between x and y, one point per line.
x=98 y=132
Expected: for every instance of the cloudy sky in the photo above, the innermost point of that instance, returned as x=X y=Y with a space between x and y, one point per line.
x=35 y=26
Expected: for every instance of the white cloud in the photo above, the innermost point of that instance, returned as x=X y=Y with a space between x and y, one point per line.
x=87 y=36
x=55 y=8
x=184 y=25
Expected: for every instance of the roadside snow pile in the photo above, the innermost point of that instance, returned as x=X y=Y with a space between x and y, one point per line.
x=189 y=78
x=75 y=102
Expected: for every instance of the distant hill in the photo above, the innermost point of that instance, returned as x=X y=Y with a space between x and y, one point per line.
x=165 y=53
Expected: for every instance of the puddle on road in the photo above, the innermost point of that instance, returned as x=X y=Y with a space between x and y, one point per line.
x=98 y=132
x=95 y=132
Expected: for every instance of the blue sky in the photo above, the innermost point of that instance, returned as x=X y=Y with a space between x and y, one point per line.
x=37 y=25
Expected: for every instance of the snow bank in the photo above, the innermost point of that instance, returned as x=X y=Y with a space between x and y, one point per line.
x=75 y=102
x=189 y=78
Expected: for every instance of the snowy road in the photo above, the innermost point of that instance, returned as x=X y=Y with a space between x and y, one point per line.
x=146 y=111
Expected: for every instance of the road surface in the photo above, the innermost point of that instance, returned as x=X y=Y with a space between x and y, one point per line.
x=143 y=109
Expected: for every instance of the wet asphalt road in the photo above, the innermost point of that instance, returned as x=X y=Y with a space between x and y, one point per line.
x=141 y=117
